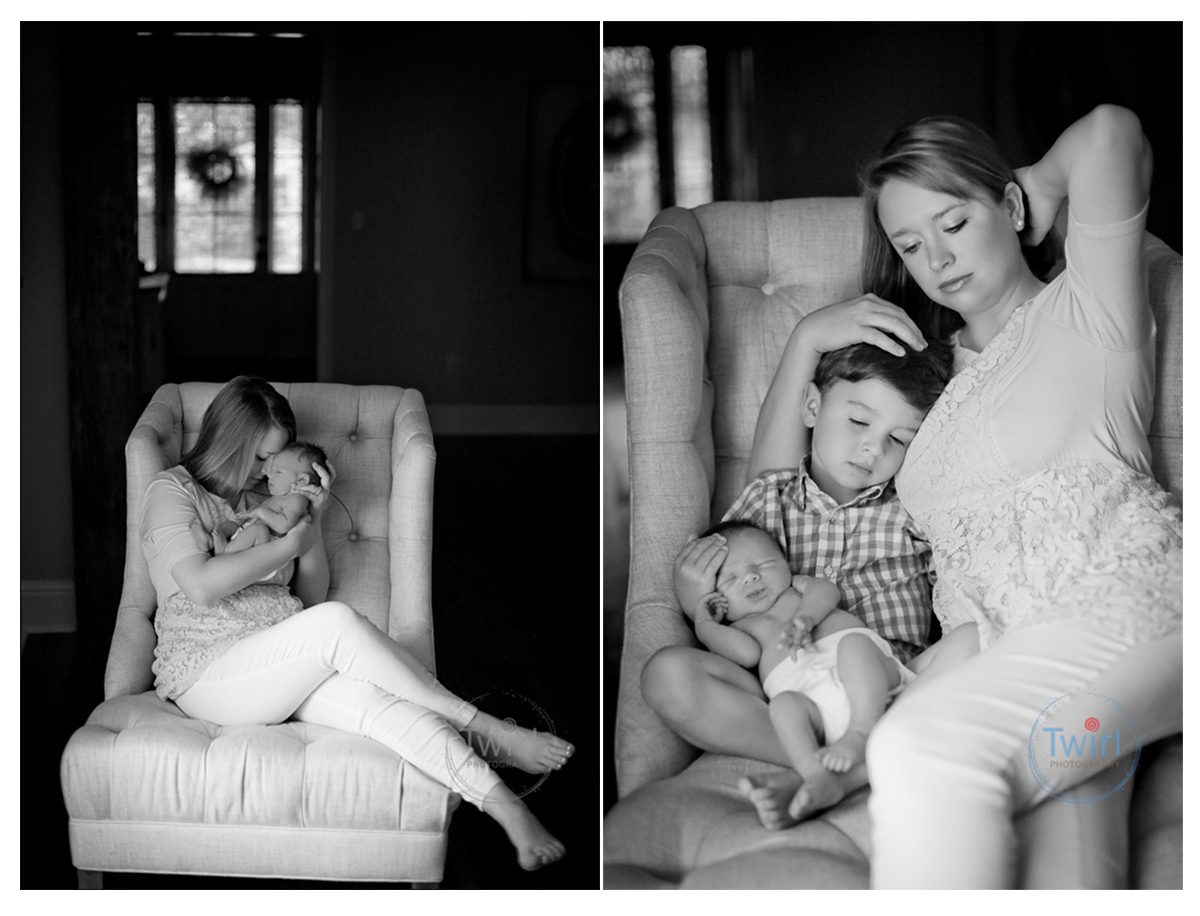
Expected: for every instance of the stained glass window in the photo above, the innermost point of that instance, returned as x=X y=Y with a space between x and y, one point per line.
x=693 y=149
x=146 y=192
x=631 y=197
x=633 y=166
x=287 y=187
x=214 y=187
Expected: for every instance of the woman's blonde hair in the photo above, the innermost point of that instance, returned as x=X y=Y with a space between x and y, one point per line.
x=243 y=411
x=950 y=156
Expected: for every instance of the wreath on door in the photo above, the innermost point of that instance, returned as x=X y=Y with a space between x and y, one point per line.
x=217 y=170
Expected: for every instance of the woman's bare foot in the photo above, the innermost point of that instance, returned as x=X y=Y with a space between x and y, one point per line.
x=536 y=847
x=844 y=753
x=504 y=743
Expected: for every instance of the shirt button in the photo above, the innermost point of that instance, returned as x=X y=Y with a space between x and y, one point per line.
x=352 y=536
x=828 y=570
x=354 y=437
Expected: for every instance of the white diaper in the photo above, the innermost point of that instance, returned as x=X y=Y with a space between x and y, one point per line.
x=814 y=673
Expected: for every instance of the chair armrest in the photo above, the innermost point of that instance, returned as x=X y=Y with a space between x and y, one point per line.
x=410 y=524
x=132 y=651
x=131 y=654
x=664 y=313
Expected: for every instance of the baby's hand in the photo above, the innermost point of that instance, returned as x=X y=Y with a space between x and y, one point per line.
x=712 y=607
x=695 y=570
x=247 y=515
x=797 y=635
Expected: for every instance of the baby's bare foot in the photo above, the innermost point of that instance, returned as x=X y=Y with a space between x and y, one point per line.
x=506 y=743
x=847 y=751
x=820 y=790
x=770 y=794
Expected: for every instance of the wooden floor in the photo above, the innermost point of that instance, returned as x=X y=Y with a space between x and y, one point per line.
x=516 y=604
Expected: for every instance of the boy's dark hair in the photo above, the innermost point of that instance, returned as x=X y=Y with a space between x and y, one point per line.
x=308 y=452
x=919 y=375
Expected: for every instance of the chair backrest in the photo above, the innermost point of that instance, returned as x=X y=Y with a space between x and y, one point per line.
x=708 y=302
x=378 y=543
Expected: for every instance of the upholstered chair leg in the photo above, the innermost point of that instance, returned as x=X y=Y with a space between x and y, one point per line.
x=425 y=885
x=90 y=880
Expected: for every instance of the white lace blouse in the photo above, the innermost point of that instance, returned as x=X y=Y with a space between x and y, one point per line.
x=1031 y=474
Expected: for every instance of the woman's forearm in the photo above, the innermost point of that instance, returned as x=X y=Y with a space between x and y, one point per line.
x=206 y=579
x=312 y=575
x=780 y=436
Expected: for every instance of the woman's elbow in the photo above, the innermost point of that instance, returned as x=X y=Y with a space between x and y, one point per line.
x=1115 y=126
x=197 y=594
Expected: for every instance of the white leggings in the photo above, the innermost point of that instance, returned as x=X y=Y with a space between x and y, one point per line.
x=949 y=764
x=329 y=665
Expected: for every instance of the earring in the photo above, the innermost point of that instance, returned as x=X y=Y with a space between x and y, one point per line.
x=1020 y=224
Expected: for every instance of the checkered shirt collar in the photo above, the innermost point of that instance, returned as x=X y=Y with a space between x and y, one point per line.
x=807 y=488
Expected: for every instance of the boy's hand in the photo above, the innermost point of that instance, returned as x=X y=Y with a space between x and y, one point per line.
x=247 y=515
x=797 y=635
x=712 y=607
x=695 y=570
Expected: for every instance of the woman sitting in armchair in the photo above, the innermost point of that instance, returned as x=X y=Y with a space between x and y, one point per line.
x=1030 y=476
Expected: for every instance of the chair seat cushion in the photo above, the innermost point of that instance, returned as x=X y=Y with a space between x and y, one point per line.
x=695 y=830
x=140 y=759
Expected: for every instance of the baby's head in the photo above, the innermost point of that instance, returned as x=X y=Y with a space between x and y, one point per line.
x=864 y=406
x=293 y=465
x=755 y=572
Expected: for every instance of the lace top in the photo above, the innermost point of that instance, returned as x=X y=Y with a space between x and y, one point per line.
x=191 y=635
x=1029 y=475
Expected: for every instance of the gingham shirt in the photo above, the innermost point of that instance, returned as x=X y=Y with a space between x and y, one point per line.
x=869 y=547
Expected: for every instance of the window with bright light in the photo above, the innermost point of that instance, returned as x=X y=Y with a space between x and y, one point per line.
x=215 y=205
x=635 y=157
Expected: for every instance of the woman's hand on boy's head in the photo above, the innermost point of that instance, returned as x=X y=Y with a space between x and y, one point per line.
x=861 y=319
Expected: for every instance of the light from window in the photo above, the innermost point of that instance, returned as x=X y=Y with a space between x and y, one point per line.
x=146 y=192
x=631 y=196
x=214 y=187
x=633 y=192
x=693 y=146
x=287 y=186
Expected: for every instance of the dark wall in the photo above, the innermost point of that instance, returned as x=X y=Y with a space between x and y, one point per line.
x=431 y=137
x=422 y=236
x=828 y=95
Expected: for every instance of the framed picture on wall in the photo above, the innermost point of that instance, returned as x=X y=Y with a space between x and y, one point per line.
x=562 y=199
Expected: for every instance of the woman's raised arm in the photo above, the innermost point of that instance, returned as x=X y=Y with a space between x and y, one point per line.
x=311 y=583
x=780 y=436
x=1102 y=163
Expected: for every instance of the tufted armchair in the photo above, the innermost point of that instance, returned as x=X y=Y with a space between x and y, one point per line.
x=707 y=303
x=149 y=790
